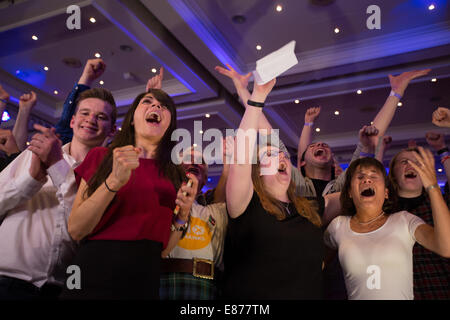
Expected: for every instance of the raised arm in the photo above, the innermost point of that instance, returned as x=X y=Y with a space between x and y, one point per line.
x=437 y=238
x=239 y=188
x=93 y=69
x=385 y=143
x=155 y=82
x=241 y=82
x=20 y=130
x=441 y=117
x=398 y=86
x=306 y=137
x=228 y=151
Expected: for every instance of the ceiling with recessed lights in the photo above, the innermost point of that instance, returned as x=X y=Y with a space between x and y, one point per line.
x=338 y=55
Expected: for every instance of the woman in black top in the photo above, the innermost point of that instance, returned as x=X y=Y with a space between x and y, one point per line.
x=274 y=246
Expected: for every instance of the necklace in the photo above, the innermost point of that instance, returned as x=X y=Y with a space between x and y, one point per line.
x=370 y=221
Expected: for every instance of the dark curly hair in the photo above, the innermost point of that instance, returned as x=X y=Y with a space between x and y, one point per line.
x=348 y=207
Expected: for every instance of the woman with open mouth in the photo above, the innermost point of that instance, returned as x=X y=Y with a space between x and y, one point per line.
x=274 y=247
x=431 y=271
x=123 y=211
x=375 y=243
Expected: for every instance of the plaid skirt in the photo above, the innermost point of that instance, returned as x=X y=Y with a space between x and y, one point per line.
x=184 y=286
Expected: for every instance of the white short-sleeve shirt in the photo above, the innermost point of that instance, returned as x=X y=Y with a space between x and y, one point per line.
x=377 y=265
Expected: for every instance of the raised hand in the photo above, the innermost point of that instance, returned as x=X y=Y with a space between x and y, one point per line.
x=435 y=140
x=368 y=136
x=3 y=94
x=46 y=145
x=311 y=114
x=425 y=167
x=125 y=160
x=7 y=142
x=261 y=91
x=441 y=117
x=185 y=201
x=93 y=69
x=240 y=81
x=400 y=83
x=155 y=82
x=27 y=100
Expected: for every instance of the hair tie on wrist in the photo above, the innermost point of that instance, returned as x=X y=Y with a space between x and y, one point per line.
x=110 y=190
x=395 y=94
x=255 y=104
x=309 y=124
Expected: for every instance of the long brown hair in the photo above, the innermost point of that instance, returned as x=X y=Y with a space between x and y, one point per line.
x=347 y=205
x=126 y=136
x=274 y=207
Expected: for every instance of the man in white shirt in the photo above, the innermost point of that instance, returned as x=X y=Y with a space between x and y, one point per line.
x=36 y=194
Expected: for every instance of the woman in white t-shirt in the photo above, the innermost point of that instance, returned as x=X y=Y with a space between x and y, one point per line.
x=374 y=244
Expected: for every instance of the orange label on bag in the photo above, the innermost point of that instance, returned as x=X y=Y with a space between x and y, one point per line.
x=197 y=236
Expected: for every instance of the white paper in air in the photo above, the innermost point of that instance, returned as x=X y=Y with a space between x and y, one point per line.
x=274 y=64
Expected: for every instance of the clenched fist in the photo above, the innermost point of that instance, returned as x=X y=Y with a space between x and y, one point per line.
x=125 y=160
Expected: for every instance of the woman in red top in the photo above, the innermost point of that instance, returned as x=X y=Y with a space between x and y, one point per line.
x=123 y=208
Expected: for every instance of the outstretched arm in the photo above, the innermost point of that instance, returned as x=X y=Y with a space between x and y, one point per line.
x=241 y=82
x=306 y=137
x=239 y=188
x=398 y=85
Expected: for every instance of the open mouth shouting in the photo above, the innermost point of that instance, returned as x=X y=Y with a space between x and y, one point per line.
x=282 y=168
x=410 y=174
x=368 y=192
x=153 y=118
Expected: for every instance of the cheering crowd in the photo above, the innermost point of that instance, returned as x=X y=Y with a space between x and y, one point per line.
x=113 y=203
